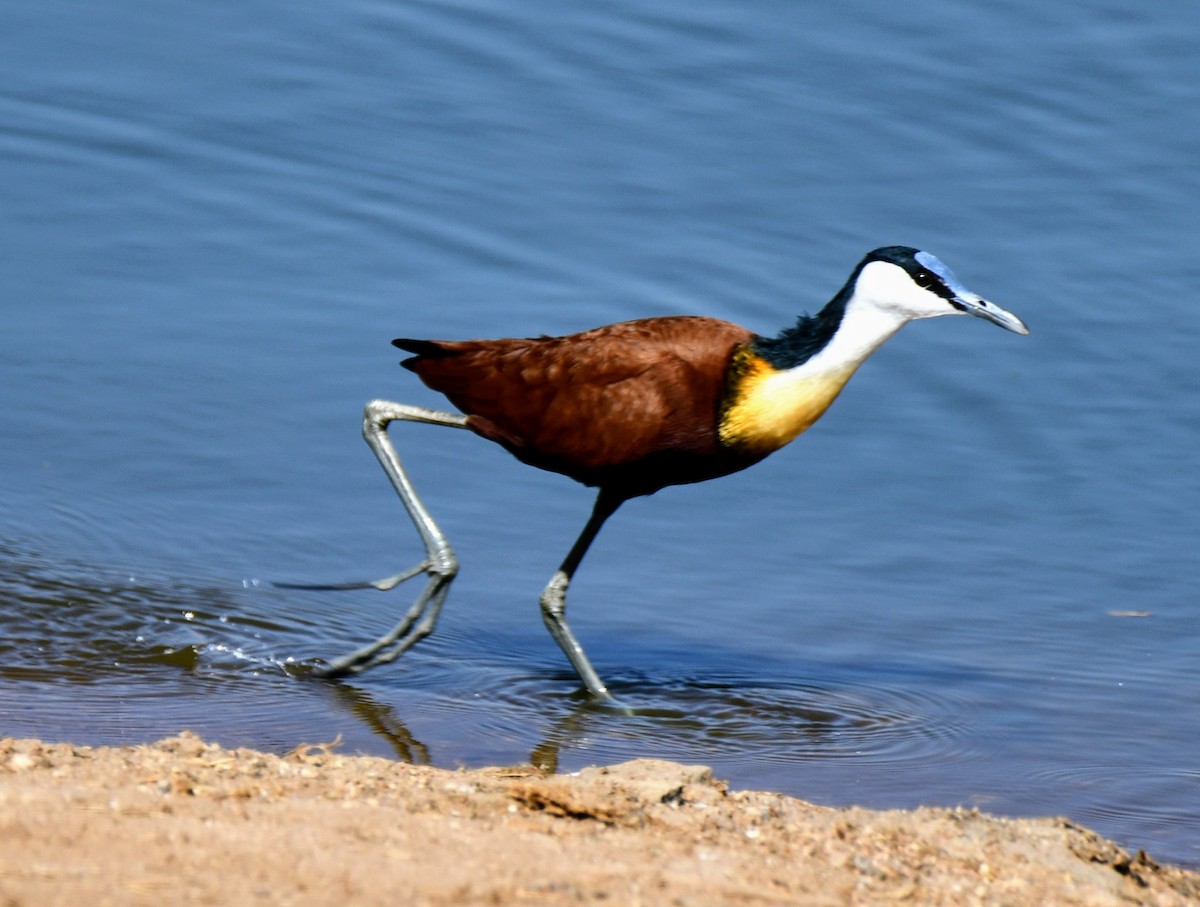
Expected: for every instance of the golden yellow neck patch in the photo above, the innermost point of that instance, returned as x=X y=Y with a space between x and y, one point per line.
x=767 y=408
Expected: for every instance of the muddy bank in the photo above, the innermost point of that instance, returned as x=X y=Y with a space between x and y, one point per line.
x=194 y=823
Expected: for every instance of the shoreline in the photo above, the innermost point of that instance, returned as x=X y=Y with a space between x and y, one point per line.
x=202 y=824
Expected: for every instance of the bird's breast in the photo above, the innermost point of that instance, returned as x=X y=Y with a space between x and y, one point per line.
x=766 y=408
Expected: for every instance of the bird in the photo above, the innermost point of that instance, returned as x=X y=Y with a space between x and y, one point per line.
x=633 y=407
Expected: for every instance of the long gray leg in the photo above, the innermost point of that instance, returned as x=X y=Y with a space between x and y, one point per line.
x=440 y=562
x=554 y=596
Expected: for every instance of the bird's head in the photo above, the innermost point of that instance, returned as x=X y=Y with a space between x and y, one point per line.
x=914 y=284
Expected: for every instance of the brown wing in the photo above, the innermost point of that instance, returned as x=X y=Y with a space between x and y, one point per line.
x=609 y=405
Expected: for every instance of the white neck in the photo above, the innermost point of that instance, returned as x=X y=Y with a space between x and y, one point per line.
x=864 y=328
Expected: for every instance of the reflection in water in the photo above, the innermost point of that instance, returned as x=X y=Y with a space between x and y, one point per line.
x=810 y=723
x=381 y=719
x=710 y=719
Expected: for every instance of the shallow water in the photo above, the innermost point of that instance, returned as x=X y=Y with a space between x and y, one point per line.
x=972 y=582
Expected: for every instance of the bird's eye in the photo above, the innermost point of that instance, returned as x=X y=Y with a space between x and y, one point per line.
x=923 y=279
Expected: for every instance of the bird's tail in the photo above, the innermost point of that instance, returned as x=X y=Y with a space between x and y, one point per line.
x=424 y=349
x=429 y=349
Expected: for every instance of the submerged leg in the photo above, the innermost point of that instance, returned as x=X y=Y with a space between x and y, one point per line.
x=440 y=562
x=554 y=596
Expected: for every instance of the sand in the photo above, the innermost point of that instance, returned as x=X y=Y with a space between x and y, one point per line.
x=182 y=821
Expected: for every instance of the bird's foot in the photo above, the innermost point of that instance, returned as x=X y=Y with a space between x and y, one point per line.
x=417 y=623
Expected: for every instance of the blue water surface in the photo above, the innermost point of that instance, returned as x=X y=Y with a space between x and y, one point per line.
x=974 y=580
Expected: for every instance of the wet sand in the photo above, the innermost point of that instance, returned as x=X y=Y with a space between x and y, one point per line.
x=190 y=822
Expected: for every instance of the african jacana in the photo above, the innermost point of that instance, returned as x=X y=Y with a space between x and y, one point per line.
x=633 y=407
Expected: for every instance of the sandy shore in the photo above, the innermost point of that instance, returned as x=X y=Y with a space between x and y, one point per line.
x=187 y=822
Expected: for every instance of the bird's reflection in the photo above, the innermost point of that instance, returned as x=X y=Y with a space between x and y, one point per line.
x=383 y=721
x=714 y=715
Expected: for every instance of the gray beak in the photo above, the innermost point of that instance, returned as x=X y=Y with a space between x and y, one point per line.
x=989 y=311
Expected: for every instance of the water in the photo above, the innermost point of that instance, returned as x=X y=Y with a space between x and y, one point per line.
x=973 y=582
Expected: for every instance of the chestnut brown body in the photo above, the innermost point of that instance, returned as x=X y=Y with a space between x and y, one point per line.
x=630 y=407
